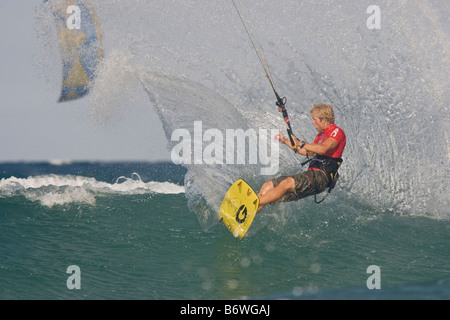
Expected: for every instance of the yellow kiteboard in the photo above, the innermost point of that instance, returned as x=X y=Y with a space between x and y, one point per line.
x=238 y=208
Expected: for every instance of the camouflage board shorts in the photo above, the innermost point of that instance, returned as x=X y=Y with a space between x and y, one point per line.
x=307 y=183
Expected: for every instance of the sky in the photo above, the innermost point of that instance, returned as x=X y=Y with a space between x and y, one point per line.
x=34 y=127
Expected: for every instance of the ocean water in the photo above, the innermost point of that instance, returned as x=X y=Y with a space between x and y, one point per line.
x=150 y=230
x=128 y=228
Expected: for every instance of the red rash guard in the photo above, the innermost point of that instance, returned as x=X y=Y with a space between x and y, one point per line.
x=334 y=132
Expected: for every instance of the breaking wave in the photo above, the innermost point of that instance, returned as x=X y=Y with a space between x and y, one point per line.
x=50 y=190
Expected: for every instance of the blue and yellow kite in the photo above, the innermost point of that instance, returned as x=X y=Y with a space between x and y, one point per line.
x=81 y=46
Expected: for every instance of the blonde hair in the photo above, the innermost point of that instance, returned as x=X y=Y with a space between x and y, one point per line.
x=323 y=111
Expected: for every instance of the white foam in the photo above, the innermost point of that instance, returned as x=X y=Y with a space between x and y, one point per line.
x=53 y=189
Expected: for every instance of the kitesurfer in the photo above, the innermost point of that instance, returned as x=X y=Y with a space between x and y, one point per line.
x=326 y=152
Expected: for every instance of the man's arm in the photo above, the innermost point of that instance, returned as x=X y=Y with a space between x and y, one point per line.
x=287 y=142
x=322 y=148
x=309 y=148
x=297 y=142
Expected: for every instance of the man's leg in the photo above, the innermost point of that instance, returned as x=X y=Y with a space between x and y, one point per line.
x=270 y=194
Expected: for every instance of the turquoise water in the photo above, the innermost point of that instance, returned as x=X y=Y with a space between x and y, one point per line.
x=138 y=243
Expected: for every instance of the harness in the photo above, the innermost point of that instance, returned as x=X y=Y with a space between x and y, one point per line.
x=327 y=165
